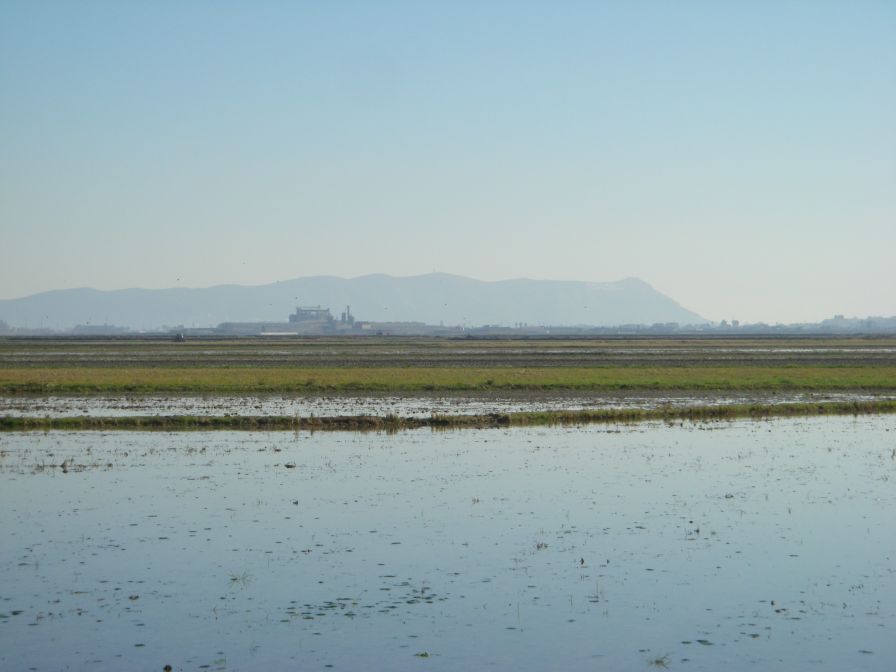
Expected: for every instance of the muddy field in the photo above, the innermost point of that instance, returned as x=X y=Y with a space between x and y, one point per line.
x=367 y=352
x=417 y=405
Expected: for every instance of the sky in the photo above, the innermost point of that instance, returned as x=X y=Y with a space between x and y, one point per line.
x=740 y=157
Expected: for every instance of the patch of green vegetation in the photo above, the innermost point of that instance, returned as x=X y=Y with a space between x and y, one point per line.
x=244 y=380
x=395 y=423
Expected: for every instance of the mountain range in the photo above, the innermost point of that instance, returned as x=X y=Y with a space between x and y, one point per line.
x=434 y=298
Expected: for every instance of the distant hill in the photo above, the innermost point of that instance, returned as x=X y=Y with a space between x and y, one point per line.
x=433 y=298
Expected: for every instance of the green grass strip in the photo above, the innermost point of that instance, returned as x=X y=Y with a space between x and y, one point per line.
x=396 y=423
x=243 y=380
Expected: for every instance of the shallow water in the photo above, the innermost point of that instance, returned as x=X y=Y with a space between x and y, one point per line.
x=745 y=545
x=404 y=406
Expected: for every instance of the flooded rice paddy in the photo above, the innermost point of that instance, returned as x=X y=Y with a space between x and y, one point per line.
x=419 y=406
x=727 y=546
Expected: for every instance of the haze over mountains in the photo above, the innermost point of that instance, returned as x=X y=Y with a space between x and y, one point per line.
x=433 y=298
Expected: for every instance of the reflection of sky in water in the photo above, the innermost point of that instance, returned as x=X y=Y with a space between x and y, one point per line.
x=404 y=406
x=465 y=545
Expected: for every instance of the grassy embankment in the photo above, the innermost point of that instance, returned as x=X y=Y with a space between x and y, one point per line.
x=394 y=423
x=243 y=380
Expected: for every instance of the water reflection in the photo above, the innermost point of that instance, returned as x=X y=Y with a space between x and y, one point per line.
x=765 y=545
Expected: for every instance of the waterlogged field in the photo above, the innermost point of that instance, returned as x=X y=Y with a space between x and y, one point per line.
x=413 y=406
x=742 y=545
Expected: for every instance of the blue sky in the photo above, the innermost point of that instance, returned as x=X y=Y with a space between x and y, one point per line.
x=740 y=157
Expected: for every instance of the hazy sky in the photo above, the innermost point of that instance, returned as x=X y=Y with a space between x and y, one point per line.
x=738 y=156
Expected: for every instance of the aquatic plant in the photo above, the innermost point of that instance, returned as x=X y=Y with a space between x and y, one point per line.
x=241 y=579
x=659 y=661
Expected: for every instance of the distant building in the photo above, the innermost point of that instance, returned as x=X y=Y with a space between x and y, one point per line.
x=347 y=317
x=315 y=314
x=305 y=321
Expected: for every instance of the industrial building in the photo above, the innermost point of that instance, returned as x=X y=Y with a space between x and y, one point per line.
x=305 y=321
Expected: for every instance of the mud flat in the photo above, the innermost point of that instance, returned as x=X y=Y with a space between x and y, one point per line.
x=419 y=405
x=396 y=423
x=736 y=545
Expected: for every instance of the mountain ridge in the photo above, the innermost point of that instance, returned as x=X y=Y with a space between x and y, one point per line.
x=431 y=297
